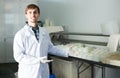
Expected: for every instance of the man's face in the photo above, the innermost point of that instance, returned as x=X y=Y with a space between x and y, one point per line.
x=32 y=15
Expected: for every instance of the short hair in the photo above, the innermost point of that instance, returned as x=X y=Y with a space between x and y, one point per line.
x=32 y=6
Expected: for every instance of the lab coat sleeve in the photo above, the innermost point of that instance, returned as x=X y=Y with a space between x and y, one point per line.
x=19 y=52
x=57 y=51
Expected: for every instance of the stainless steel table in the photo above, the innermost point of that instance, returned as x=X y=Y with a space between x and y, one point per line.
x=91 y=63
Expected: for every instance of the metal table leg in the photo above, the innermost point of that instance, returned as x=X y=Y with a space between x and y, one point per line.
x=92 y=71
x=79 y=65
x=103 y=72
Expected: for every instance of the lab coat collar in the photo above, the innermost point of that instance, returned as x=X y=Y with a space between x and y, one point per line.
x=41 y=34
x=29 y=31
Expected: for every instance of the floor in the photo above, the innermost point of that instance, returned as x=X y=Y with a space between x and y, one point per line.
x=7 y=70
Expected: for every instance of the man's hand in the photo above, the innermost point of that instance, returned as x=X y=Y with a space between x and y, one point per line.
x=44 y=60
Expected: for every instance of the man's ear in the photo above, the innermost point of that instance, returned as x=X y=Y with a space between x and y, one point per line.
x=39 y=15
x=26 y=15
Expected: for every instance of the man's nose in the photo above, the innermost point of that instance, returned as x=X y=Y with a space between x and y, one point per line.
x=32 y=14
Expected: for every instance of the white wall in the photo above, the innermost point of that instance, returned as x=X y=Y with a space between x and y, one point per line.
x=80 y=15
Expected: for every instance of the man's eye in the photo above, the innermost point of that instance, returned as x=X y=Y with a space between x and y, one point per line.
x=35 y=12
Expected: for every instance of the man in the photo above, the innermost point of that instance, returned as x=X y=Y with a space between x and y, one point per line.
x=32 y=45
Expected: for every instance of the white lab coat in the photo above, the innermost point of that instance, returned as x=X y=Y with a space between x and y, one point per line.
x=27 y=51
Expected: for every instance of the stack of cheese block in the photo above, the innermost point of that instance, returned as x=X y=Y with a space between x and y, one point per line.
x=81 y=51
